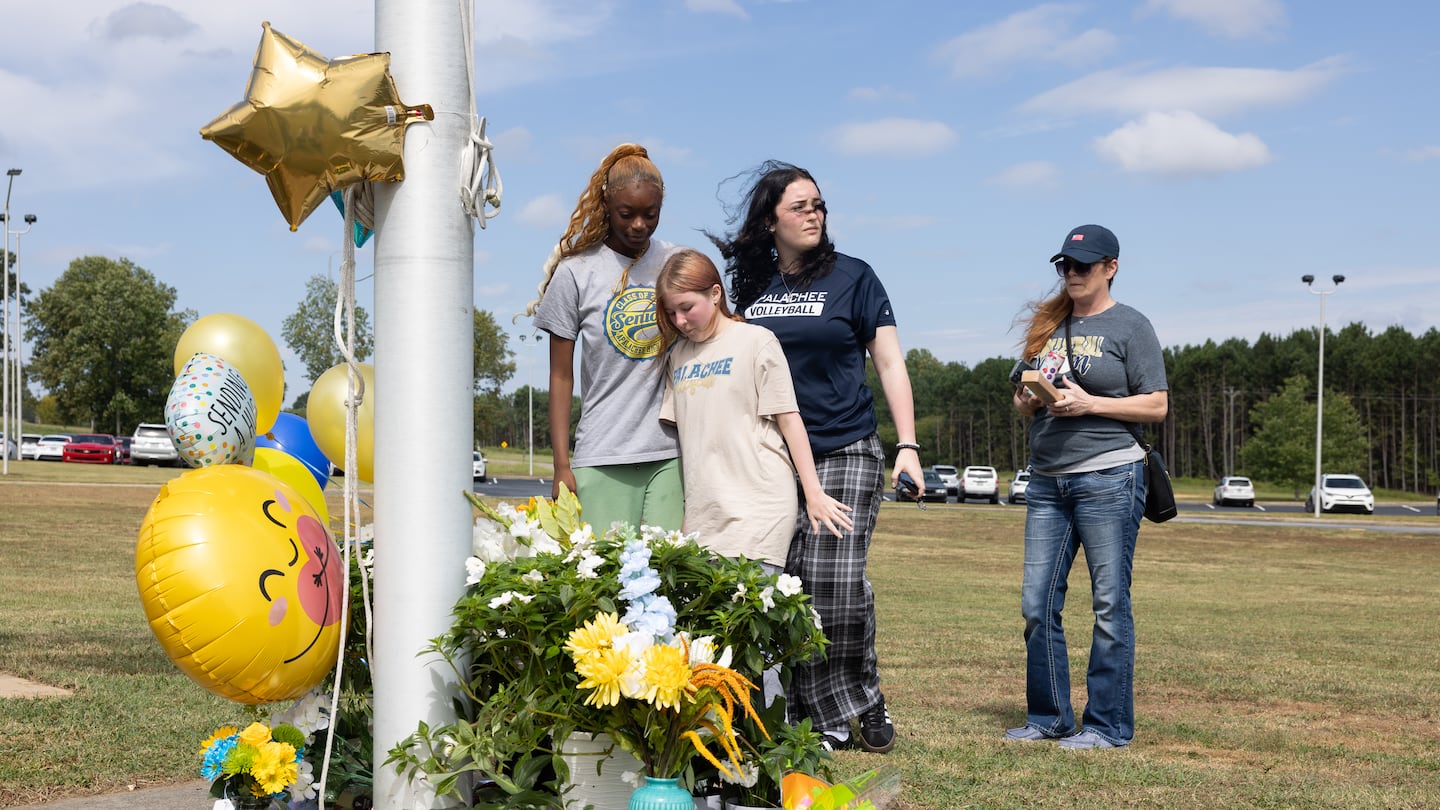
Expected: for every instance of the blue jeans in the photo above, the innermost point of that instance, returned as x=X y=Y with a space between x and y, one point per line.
x=1100 y=511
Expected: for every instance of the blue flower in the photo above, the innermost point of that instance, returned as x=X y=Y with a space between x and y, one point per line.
x=214 y=762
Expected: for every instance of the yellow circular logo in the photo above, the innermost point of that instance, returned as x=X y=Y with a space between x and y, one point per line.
x=630 y=323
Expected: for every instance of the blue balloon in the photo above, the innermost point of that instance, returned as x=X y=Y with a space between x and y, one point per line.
x=362 y=233
x=291 y=435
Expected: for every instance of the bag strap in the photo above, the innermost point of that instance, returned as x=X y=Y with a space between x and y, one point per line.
x=1134 y=428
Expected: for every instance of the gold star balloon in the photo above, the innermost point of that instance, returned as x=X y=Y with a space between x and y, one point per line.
x=313 y=125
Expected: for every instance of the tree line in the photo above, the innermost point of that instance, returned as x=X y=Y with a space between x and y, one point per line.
x=102 y=337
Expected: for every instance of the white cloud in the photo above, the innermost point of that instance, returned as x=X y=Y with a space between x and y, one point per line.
x=894 y=137
x=882 y=93
x=717 y=7
x=1043 y=33
x=1236 y=19
x=1033 y=174
x=1205 y=91
x=539 y=21
x=548 y=211
x=1180 y=143
x=1431 y=152
x=143 y=20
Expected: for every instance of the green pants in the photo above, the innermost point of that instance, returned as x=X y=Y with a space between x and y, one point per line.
x=650 y=493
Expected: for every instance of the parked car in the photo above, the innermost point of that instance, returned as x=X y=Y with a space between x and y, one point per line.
x=1234 y=489
x=950 y=476
x=52 y=447
x=122 y=449
x=7 y=445
x=151 y=444
x=1018 y=485
x=479 y=460
x=1342 y=493
x=30 y=446
x=91 y=448
x=980 y=483
x=934 y=489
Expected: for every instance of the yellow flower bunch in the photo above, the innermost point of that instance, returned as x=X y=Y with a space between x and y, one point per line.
x=667 y=700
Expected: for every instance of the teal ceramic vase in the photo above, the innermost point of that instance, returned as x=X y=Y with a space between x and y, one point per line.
x=661 y=794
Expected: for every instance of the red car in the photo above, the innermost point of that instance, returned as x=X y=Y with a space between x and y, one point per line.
x=92 y=448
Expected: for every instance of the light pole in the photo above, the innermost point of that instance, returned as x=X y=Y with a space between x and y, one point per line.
x=5 y=377
x=533 y=339
x=17 y=383
x=1320 y=381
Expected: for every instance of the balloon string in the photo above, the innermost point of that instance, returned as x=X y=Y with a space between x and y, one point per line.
x=345 y=339
x=481 y=185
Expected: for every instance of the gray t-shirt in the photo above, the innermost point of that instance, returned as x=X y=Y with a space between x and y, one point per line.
x=621 y=380
x=1116 y=354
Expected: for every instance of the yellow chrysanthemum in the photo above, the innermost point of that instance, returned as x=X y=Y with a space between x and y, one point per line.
x=275 y=768
x=602 y=670
x=597 y=634
x=667 y=675
x=255 y=734
x=219 y=734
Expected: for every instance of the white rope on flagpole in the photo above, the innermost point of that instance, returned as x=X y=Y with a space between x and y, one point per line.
x=479 y=179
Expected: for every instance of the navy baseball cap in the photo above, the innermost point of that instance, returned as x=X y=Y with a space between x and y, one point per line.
x=1089 y=244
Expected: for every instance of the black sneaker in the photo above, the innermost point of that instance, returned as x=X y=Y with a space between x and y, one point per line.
x=877 y=733
x=830 y=742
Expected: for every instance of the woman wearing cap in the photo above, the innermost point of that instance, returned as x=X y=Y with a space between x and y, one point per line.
x=1087 y=489
x=828 y=311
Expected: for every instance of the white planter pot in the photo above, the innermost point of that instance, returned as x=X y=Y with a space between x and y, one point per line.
x=595 y=775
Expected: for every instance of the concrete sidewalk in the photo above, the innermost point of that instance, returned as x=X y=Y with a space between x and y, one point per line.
x=186 y=796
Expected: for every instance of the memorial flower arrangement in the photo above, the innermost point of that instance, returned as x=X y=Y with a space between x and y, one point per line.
x=539 y=574
x=252 y=765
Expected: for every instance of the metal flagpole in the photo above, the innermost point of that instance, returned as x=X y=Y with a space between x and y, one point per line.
x=424 y=331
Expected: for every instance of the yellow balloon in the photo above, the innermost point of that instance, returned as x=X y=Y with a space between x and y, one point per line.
x=241 y=583
x=325 y=412
x=243 y=344
x=293 y=471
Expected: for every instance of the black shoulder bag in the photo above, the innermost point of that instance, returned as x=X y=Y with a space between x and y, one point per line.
x=1159 y=494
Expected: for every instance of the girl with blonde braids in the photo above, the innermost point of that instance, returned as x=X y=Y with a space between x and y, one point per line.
x=599 y=289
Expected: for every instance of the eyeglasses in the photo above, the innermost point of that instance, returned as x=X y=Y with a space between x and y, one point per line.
x=1071 y=266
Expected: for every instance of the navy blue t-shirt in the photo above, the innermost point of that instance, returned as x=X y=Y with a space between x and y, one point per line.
x=824 y=329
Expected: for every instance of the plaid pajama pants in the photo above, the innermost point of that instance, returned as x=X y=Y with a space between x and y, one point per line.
x=846 y=681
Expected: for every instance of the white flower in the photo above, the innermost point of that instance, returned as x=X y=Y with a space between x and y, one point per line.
x=474 y=570
x=310 y=713
x=533 y=575
x=739 y=593
x=588 y=565
x=542 y=543
x=767 y=598
x=631 y=778
x=507 y=597
x=702 y=649
x=582 y=536
x=490 y=541
x=815 y=617
x=748 y=776
x=304 y=786
x=789 y=585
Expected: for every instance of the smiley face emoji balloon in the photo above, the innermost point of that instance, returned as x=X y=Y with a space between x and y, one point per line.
x=241 y=583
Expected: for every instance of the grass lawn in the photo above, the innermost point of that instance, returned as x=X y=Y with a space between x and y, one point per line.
x=1279 y=665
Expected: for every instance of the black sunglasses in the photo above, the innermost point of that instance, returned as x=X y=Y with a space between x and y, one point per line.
x=1071 y=266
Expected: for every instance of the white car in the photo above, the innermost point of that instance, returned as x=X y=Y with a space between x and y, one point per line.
x=1234 y=489
x=949 y=476
x=1342 y=493
x=479 y=461
x=30 y=445
x=1018 y=485
x=52 y=447
x=980 y=483
x=7 y=445
x=152 y=444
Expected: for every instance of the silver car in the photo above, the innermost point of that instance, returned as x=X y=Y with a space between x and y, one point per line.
x=151 y=444
x=1018 y=485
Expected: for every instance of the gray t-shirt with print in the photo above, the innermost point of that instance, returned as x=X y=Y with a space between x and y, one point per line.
x=1116 y=354
x=621 y=380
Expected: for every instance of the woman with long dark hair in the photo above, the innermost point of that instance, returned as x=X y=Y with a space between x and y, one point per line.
x=829 y=312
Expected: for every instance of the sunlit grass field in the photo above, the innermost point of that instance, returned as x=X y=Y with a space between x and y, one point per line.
x=1279 y=665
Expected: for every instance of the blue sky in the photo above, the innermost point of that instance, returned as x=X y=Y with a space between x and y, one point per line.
x=1232 y=145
